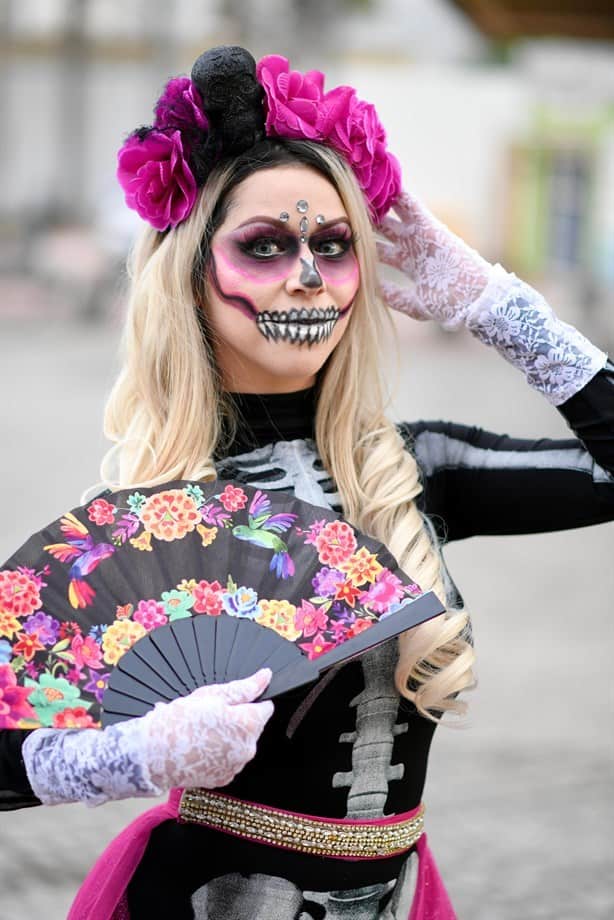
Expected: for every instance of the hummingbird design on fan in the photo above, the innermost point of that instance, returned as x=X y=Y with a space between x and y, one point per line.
x=79 y=546
x=262 y=529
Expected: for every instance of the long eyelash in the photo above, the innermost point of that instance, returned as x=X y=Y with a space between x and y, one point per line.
x=285 y=244
x=248 y=248
x=248 y=245
x=260 y=238
x=347 y=241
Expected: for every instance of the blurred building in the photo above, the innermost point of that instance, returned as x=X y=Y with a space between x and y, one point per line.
x=504 y=121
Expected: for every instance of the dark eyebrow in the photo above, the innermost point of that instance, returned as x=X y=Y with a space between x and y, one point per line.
x=331 y=224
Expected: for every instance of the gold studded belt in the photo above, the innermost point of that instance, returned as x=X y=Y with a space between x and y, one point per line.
x=338 y=838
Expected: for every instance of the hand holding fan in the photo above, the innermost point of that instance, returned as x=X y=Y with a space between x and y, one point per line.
x=155 y=592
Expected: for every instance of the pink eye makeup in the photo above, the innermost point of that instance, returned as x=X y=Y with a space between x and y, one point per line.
x=262 y=251
x=252 y=263
x=262 y=243
x=299 y=326
x=267 y=251
x=332 y=242
x=334 y=256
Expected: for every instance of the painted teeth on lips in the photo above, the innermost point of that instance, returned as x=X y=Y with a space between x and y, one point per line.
x=302 y=326
x=299 y=316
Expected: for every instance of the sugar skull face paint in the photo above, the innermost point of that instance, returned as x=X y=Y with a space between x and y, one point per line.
x=261 y=254
x=277 y=302
x=265 y=250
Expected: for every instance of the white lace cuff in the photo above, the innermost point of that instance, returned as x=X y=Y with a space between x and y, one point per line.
x=555 y=358
x=87 y=765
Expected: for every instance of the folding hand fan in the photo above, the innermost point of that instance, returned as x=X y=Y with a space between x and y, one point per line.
x=145 y=594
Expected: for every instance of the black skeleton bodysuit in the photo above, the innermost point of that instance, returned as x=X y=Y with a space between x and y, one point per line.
x=349 y=746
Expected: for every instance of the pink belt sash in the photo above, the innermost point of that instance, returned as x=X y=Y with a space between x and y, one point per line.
x=102 y=895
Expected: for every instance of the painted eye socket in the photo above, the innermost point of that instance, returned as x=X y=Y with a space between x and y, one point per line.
x=263 y=247
x=333 y=247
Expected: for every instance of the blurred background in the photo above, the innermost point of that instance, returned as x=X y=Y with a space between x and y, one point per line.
x=502 y=114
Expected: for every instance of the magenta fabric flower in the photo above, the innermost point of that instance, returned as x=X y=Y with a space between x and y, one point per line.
x=353 y=128
x=293 y=99
x=156 y=178
x=180 y=107
x=297 y=107
x=153 y=164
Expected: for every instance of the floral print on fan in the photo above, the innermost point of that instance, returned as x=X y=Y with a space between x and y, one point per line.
x=167 y=515
x=54 y=669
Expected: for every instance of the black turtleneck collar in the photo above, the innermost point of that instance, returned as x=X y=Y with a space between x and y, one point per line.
x=264 y=418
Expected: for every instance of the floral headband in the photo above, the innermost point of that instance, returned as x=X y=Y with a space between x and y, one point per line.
x=227 y=106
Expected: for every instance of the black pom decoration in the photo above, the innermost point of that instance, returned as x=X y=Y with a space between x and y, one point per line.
x=232 y=99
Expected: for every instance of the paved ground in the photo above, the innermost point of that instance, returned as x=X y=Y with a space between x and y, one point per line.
x=520 y=804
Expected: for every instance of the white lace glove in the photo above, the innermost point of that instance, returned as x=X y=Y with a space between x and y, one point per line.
x=203 y=739
x=448 y=275
x=455 y=286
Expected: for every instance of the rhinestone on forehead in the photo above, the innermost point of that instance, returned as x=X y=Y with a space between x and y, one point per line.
x=302 y=206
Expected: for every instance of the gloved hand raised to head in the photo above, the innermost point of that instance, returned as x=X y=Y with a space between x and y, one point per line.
x=203 y=739
x=447 y=274
x=453 y=285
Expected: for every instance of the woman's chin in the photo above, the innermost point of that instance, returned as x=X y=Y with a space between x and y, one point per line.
x=257 y=363
x=280 y=366
x=287 y=360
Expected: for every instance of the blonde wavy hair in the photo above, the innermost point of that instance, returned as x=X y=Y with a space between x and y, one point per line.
x=168 y=415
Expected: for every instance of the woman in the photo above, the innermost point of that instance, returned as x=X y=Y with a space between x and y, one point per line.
x=252 y=352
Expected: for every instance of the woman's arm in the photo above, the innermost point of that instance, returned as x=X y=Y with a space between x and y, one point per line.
x=453 y=285
x=15 y=788
x=203 y=739
x=477 y=482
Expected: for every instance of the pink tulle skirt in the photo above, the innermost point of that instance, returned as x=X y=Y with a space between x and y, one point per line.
x=102 y=895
